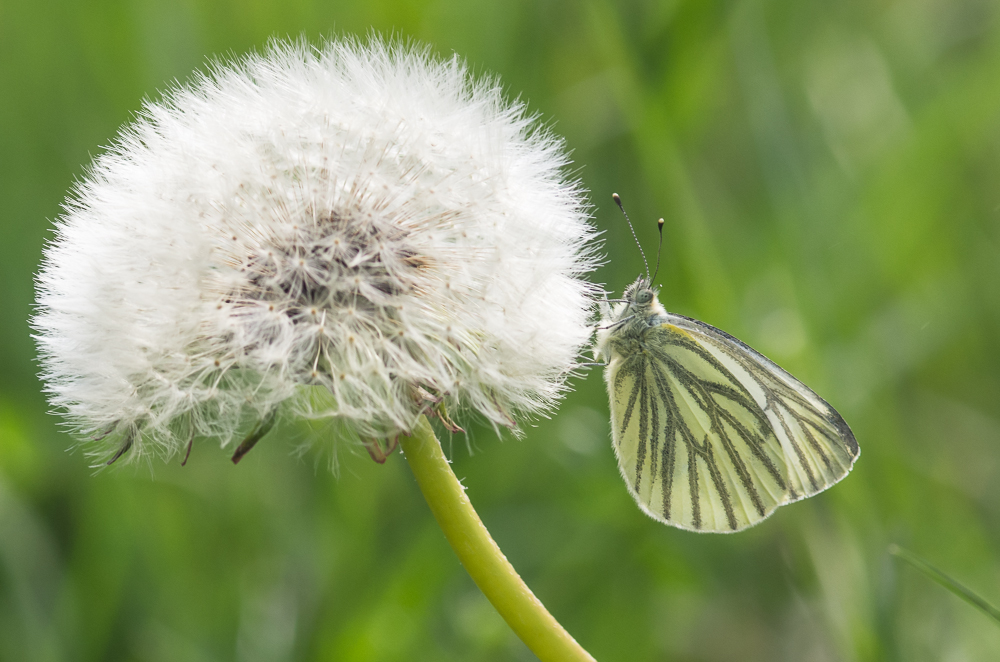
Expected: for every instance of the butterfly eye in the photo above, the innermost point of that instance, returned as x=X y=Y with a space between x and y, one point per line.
x=644 y=297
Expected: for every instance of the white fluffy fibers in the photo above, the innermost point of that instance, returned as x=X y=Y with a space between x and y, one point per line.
x=349 y=232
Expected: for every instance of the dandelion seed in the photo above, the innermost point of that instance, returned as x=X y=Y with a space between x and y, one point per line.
x=422 y=223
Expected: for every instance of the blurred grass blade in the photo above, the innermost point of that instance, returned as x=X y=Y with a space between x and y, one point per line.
x=946 y=581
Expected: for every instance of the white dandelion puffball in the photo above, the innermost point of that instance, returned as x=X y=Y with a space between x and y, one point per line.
x=351 y=232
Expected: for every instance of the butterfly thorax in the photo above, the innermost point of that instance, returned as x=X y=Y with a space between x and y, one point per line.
x=624 y=324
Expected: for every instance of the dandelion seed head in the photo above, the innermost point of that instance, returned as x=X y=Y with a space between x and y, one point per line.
x=323 y=232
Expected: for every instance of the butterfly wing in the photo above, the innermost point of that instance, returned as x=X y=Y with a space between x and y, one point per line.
x=713 y=436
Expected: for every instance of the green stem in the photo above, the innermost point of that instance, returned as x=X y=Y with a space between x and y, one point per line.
x=477 y=551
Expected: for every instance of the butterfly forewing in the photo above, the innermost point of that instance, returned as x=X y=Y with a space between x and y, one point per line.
x=818 y=443
x=712 y=436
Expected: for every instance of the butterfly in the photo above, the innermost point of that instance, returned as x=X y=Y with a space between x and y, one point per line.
x=710 y=434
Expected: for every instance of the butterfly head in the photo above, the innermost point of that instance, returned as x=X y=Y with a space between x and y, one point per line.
x=640 y=301
x=630 y=316
x=637 y=306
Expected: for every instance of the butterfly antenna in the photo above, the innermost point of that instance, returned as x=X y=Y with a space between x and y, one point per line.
x=618 y=201
x=659 y=249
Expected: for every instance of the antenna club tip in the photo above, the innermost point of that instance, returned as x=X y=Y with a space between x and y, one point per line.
x=659 y=224
x=618 y=200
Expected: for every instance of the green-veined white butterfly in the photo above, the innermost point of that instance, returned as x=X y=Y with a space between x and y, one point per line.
x=710 y=434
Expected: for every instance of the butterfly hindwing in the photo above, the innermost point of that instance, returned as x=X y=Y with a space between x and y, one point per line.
x=712 y=436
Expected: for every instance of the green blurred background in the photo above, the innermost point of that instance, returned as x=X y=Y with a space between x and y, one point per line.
x=830 y=178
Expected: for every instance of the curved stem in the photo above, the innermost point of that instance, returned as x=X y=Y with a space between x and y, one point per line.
x=477 y=551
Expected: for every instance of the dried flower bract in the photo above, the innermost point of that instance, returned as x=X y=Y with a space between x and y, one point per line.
x=357 y=231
